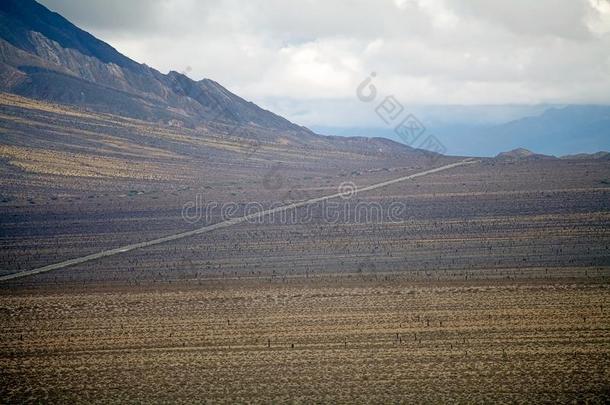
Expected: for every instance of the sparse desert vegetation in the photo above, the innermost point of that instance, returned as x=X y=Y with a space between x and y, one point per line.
x=136 y=265
x=333 y=339
x=492 y=285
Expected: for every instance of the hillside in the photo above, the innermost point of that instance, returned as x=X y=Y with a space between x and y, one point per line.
x=521 y=154
x=44 y=56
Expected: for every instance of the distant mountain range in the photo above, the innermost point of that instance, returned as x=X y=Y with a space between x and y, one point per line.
x=556 y=131
x=524 y=154
x=568 y=129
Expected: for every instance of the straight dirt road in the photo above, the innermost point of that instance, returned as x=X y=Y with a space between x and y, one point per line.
x=223 y=224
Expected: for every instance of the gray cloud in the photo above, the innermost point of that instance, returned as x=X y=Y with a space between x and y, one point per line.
x=561 y=19
x=132 y=16
x=294 y=55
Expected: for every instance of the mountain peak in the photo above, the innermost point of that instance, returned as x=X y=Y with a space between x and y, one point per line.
x=18 y=17
x=521 y=154
x=518 y=152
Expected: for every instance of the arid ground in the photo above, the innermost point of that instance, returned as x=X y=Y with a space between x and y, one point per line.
x=492 y=284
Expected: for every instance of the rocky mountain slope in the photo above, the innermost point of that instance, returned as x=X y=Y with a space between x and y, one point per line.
x=44 y=56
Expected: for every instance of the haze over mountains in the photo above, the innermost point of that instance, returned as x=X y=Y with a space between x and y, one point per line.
x=489 y=130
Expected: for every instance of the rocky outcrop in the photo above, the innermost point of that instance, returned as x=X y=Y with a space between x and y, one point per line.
x=521 y=154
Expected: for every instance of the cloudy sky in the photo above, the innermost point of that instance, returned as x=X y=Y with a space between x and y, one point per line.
x=304 y=59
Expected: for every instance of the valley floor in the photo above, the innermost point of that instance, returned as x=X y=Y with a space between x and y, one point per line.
x=325 y=338
x=490 y=284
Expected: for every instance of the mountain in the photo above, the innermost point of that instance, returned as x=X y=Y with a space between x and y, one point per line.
x=44 y=56
x=579 y=156
x=518 y=153
x=558 y=127
x=489 y=130
x=79 y=117
x=521 y=154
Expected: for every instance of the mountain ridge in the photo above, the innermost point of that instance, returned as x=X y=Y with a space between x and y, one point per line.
x=556 y=131
x=44 y=56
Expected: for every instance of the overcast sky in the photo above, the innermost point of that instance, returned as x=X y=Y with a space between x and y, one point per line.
x=297 y=56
